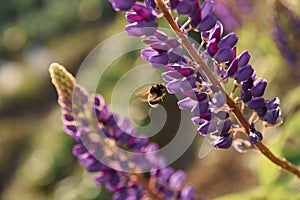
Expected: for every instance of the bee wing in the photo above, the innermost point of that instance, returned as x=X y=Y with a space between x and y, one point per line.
x=143 y=94
x=206 y=147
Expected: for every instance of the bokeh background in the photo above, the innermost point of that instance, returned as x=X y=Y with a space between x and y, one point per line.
x=36 y=161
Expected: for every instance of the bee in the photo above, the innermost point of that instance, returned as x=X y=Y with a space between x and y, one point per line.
x=153 y=95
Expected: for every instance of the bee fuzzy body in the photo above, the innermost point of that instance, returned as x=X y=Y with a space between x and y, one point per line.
x=154 y=95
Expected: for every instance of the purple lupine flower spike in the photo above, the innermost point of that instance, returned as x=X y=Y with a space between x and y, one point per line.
x=93 y=118
x=183 y=78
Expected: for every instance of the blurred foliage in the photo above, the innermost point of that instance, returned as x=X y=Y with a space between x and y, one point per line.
x=36 y=159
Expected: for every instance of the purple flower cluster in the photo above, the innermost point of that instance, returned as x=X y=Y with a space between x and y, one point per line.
x=206 y=102
x=92 y=149
x=142 y=21
x=287 y=35
x=170 y=183
x=163 y=50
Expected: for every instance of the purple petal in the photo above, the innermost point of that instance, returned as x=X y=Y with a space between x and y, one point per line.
x=173 y=86
x=212 y=47
x=67 y=118
x=205 y=35
x=246 y=96
x=272 y=116
x=207 y=8
x=206 y=116
x=150 y=3
x=200 y=108
x=187 y=103
x=222 y=114
x=173 y=43
x=207 y=23
x=259 y=87
x=170 y=76
x=188 y=193
x=164 y=174
x=161 y=58
x=148 y=53
x=196 y=18
x=188 y=84
x=70 y=129
x=229 y=40
x=244 y=73
x=177 y=179
x=216 y=32
x=99 y=100
x=224 y=127
x=144 y=28
x=203 y=129
x=102 y=178
x=198 y=120
x=247 y=84
x=273 y=103
x=244 y=58
x=161 y=35
x=232 y=68
x=184 y=7
x=224 y=54
x=79 y=149
x=144 y=12
x=223 y=142
x=201 y=96
x=255 y=137
x=132 y=17
x=159 y=46
x=94 y=167
x=256 y=103
x=218 y=99
x=175 y=55
x=187 y=71
x=262 y=111
x=174 y=3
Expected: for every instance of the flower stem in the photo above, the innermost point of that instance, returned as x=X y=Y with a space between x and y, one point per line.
x=281 y=162
x=147 y=186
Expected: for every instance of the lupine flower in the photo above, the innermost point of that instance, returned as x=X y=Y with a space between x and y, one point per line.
x=286 y=35
x=203 y=99
x=97 y=131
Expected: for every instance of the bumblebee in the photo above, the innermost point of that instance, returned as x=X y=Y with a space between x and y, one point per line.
x=153 y=95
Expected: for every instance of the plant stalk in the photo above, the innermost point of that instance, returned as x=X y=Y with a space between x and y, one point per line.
x=281 y=162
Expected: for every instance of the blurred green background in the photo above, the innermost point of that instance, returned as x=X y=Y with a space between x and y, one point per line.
x=36 y=159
